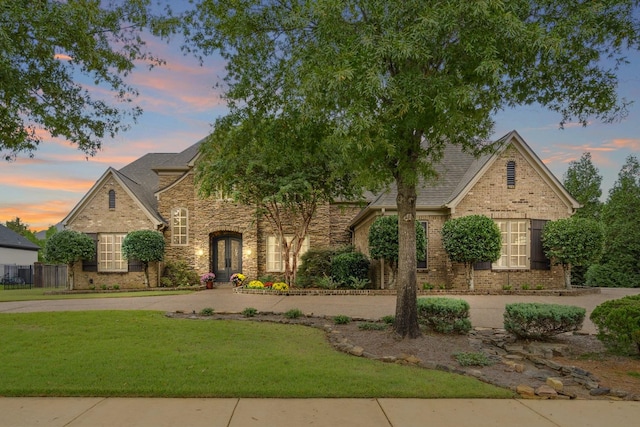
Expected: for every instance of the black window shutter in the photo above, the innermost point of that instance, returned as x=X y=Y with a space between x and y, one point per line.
x=538 y=259
x=423 y=264
x=483 y=265
x=92 y=264
x=135 y=265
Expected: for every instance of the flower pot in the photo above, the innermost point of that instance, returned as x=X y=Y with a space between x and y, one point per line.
x=210 y=285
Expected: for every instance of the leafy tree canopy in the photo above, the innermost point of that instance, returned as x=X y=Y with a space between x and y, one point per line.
x=68 y=247
x=401 y=79
x=45 y=45
x=383 y=239
x=472 y=238
x=144 y=245
x=573 y=241
x=583 y=181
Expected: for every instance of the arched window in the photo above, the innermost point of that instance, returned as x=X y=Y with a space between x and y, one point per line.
x=112 y=199
x=511 y=174
x=179 y=226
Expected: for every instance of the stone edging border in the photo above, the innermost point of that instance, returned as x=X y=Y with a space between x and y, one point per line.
x=377 y=292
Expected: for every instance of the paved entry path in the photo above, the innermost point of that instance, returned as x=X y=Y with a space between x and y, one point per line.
x=486 y=310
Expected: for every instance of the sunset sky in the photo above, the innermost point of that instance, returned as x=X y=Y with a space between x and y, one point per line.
x=180 y=105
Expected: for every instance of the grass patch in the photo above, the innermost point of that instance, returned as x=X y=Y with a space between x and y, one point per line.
x=144 y=353
x=634 y=374
x=39 y=294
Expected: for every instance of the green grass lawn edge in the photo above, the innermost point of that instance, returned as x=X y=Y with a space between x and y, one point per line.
x=35 y=294
x=146 y=354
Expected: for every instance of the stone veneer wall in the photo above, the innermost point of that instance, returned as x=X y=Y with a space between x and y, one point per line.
x=207 y=217
x=96 y=217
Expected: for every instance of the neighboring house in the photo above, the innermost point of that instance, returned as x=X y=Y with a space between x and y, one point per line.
x=16 y=249
x=513 y=187
x=158 y=192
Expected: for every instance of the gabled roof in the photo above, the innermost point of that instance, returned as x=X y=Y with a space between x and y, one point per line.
x=458 y=172
x=13 y=240
x=140 y=179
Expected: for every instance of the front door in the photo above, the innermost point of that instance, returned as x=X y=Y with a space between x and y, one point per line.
x=227 y=256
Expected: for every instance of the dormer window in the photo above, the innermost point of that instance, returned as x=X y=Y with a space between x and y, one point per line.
x=112 y=199
x=511 y=174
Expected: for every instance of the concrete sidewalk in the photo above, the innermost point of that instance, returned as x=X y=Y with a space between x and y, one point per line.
x=144 y=412
x=486 y=311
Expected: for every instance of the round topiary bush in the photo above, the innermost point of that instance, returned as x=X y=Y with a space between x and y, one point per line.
x=618 y=323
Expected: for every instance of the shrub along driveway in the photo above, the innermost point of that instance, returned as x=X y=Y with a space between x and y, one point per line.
x=486 y=310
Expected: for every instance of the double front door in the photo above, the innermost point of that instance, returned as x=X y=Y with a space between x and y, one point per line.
x=227 y=256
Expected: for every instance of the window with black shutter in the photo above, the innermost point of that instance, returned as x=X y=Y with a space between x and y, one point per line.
x=511 y=174
x=539 y=261
x=92 y=264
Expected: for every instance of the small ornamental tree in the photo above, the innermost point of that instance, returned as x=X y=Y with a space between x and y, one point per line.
x=146 y=246
x=470 y=239
x=383 y=242
x=572 y=241
x=69 y=247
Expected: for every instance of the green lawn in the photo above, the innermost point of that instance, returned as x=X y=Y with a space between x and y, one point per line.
x=40 y=294
x=144 y=353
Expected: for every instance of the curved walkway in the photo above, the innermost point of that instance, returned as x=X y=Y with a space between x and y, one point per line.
x=486 y=311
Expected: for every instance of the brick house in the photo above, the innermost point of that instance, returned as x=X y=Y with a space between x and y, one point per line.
x=157 y=192
x=513 y=187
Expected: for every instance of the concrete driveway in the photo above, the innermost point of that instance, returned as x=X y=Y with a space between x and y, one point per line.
x=486 y=310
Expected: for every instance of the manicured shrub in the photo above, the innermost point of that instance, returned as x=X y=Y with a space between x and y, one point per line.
x=316 y=264
x=541 y=321
x=348 y=265
x=444 y=315
x=179 y=273
x=618 y=323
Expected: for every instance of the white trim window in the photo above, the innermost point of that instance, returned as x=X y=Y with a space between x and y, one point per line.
x=515 y=244
x=179 y=227
x=110 y=253
x=275 y=253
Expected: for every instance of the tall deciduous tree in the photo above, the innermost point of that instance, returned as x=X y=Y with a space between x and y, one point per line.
x=45 y=45
x=145 y=246
x=69 y=247
x=401 y=79
x=281 y=165
x=572 y=242
x=622 y=222
x=583 y=181
x=470 y=239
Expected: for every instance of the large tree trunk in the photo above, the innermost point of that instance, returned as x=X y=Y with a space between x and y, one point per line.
x=406 y=322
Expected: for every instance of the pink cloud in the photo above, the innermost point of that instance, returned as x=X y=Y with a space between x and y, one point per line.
x=72 y=185
x=38 y=216
x=626 y=143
